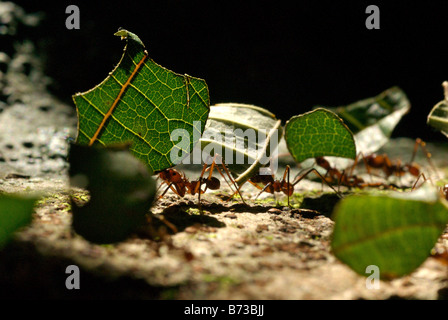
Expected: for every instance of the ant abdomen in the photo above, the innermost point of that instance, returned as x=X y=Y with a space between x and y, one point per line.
x=212 y=183
x=378 y=161
x=413 y=169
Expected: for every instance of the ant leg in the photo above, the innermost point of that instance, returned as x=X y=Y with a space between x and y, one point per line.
x=352 y=167
x=170 y=186
x=422 y=144
x=340 y=180
x=262 y=190
x=239 y=188
x=428 y=155
x=322 y=178
x=160 y=185
x=415 y=183
x=210 y=170
x=199 y=184
x=212 y=167
x=230 y=178
x=288 y=184
x=323 y=163
x=366 y=164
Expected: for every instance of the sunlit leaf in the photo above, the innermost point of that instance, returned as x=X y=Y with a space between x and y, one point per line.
x=394 y=232
x=318 y=133
x=143 y=103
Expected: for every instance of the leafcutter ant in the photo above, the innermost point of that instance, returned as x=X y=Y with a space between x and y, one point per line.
x=375 y=161
x=396 y=167
x=180 y=185
x=347 y=179
x=334 y=175
x=271 y=185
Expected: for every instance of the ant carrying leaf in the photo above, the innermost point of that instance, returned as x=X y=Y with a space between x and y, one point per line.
x=271 y=185
x=380 y=162
x=391 y=167
x=180 y=185
x=341 y=178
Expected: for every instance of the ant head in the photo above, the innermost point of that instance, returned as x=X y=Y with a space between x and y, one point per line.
x=163 y=175
x=322 y=162
x=170 y=174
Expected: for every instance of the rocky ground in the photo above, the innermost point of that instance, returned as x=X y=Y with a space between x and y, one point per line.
x=228 y=251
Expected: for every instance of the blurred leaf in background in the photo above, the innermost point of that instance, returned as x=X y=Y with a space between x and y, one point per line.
x=15 y=212
x=373 y=120
x=394 y=231
x=121 y=190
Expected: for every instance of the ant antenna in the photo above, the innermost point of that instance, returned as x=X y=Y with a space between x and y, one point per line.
x=422 y=144
x=320 y=176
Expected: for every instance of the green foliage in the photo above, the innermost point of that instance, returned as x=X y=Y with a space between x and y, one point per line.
x=438 y=117
x=373 y=120
x=15 y=212
x=250 y=132
x=142 y=102
x=319 y=133
x=121 y=190
x=395 y=232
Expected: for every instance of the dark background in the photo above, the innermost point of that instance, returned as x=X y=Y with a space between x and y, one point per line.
x=283 y=56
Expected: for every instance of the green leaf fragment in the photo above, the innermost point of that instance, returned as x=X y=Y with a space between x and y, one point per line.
x=394 y=232
x=373 y=120
x=121 y=192
x=15 y=212
x=142 y=103
x=438 y=117
x=318 y=133
x=244 y=135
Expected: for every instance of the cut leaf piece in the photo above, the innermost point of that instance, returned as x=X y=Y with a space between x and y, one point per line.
x=372 y=120
x=15 y=212
x=394 y=232
x=142 y=103
x=438 y=117
x=244 y=135
x=121 y=192
x=319 y=133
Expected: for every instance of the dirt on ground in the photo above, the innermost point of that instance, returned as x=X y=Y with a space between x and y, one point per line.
x=226 y=250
